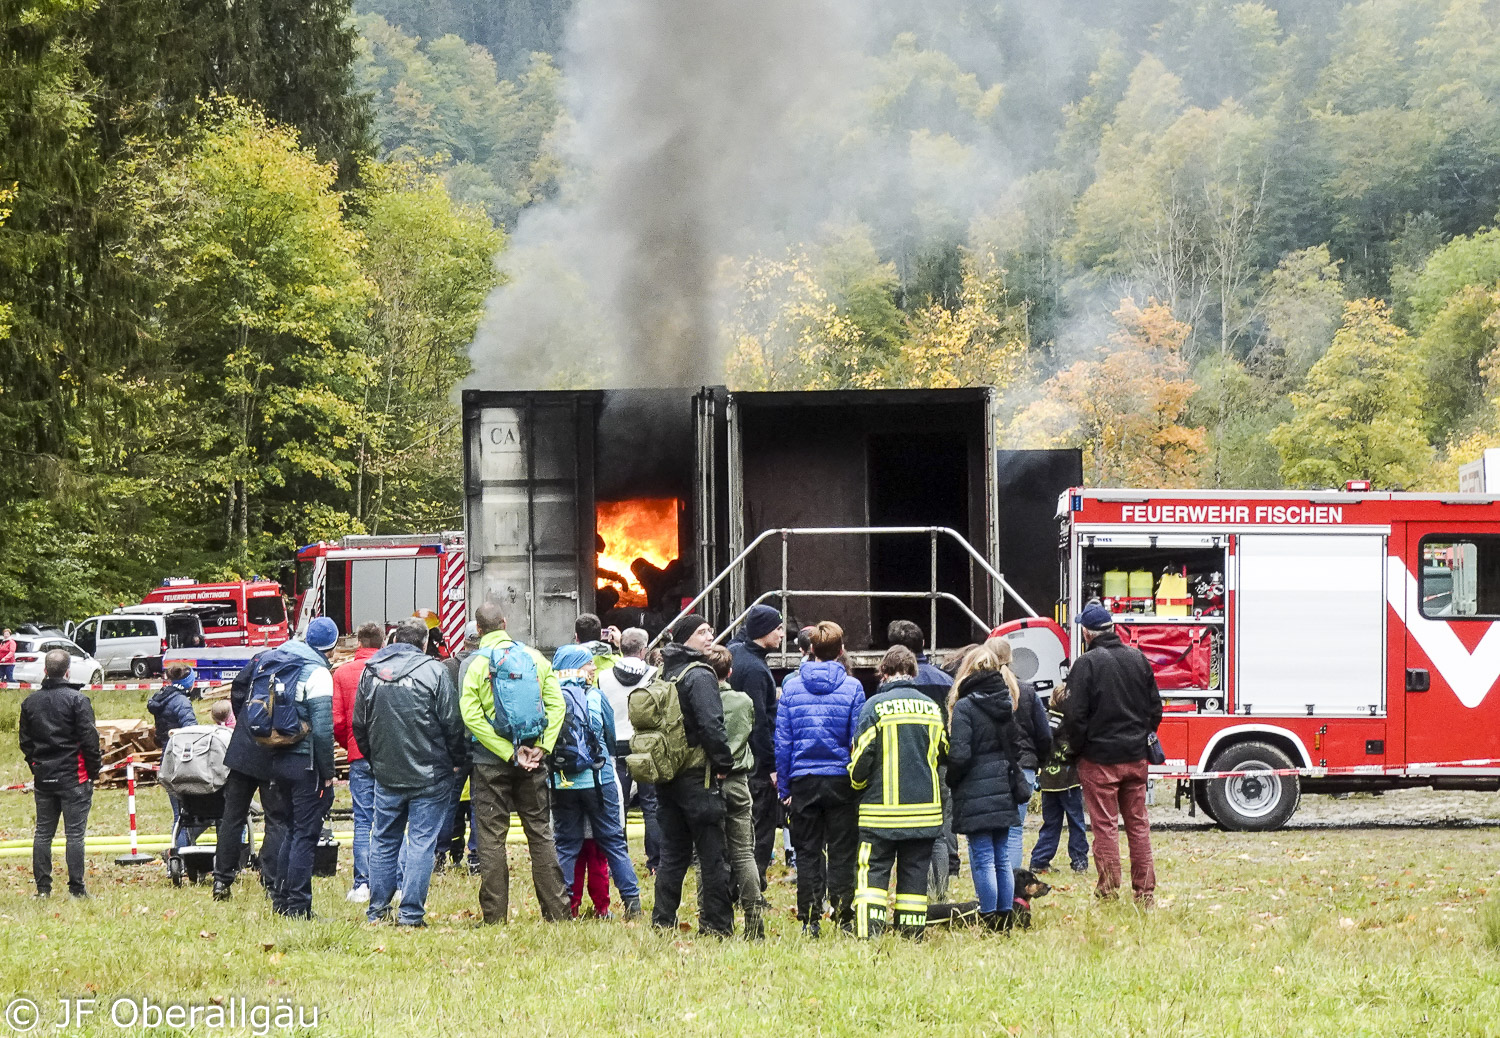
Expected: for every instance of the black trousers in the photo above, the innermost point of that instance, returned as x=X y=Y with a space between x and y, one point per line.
x=766 y=812
x=70 y=803
x=825 y=834
x=229 y=837
x=692 y=818
x=878 y=855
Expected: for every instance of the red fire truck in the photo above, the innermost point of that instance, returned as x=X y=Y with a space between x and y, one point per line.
x=239 y=613
x=361 y=579
x=1313 y=642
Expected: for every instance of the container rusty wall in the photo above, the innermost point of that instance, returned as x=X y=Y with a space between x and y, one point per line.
x=879 y=458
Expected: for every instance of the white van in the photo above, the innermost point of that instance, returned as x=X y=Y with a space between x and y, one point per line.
x=132 y=640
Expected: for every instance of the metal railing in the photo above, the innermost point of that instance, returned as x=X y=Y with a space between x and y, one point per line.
x=786 y=593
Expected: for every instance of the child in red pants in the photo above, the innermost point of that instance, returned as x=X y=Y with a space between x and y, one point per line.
x=592 y=870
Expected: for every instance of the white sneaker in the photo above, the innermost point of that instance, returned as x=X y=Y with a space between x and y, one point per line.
x=395 y=898
x=359 y=895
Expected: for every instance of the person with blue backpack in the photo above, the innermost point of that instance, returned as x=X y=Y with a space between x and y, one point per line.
x=585 y=792
x=290 y=712
x=513 y=706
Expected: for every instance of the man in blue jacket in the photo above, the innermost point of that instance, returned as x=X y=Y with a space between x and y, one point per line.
x=303 y=773
x=763 y=634
x=815 y=725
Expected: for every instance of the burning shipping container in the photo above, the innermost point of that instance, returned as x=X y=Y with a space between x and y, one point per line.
x=628 y=502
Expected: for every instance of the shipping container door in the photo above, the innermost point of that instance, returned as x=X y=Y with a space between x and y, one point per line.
x=1446 y=592
x=1310 y=640
x=533 y=460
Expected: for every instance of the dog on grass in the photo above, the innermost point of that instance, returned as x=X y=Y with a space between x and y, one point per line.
x=966 y=913
x=1029 y=887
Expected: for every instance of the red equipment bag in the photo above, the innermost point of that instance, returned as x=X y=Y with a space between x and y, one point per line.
x=1180 y=655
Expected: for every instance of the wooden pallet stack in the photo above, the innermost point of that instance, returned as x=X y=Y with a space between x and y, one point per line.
x=124 y=737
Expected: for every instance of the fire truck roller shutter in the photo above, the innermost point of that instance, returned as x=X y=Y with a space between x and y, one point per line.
x=1311 y=633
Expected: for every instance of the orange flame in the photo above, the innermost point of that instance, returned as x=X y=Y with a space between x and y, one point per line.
x=633 y=530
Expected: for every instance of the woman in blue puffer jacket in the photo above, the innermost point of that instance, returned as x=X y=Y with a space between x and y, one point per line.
x=815 y=723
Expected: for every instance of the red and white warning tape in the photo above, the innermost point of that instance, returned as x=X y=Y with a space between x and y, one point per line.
x=113 y=686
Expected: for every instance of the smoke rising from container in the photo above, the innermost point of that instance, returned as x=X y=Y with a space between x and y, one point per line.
x=682 y=136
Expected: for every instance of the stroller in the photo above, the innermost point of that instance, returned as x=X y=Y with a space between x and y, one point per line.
x=193 y=770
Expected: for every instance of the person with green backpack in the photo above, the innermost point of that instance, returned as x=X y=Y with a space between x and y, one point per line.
x=513 y=706
x=681 y=747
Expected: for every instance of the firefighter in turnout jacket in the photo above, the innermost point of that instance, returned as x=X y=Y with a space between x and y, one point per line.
x=899 y=742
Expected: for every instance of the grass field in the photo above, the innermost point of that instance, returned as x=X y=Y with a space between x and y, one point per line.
x=1391 y=930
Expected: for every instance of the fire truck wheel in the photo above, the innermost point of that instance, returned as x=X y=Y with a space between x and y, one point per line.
x=1249 y=803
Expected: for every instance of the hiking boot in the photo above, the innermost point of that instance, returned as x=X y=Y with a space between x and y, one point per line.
x=80 y=895
x=632 y=909
x=1039 y=869
x=222 y=891
x=811 y=929
x=911 y=933
x=990 y=921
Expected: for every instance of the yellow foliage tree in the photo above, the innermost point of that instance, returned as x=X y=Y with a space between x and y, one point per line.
x=1125 y=409
x=786 y=333
x=981 y=342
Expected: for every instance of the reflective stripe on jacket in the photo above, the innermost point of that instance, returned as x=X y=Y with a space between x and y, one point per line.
x=898 y=744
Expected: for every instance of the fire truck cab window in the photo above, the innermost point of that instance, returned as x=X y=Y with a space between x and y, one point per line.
x=267 y=610
x=1461 y=578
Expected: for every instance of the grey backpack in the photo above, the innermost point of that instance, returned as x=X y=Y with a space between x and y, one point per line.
x=193 y=762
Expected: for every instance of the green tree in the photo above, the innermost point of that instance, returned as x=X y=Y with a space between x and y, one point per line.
x=261 y=300
x=444 y=101
x=1359 y=415
x=431 y=264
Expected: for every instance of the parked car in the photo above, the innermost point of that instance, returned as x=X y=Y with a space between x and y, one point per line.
x=83 y=669
x=129 y=641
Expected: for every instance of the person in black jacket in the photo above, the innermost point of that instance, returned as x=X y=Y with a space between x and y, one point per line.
x=690 y=808
x=1033 y=735
x=764 y=633
x=1112 y=709
x=249 y=765
x=61 y=745
x=406 y=720
x=980 y=751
